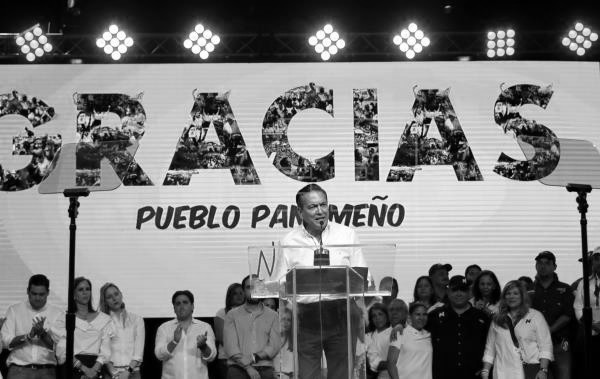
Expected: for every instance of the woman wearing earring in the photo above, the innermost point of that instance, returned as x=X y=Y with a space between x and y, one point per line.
x=518 y=344
x=127 y=345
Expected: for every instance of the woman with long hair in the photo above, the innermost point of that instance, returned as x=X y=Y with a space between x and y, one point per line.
x=378 y=341
x=411 y=355
x=486 y=292
x=233 y=298
x=424 y=293
x=127 y=345
x=93 y=332
x=283 y=363
x=519 y=345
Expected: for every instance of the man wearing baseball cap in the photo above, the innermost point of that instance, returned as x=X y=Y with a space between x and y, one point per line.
x=458 y=334
x=439 y=277
x=554 y=299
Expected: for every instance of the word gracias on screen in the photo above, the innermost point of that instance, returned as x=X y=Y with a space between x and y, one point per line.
x=439 y=98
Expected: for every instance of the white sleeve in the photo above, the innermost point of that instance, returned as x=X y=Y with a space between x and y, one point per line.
x=58 y=332
x=160 y=345
x=210 y=341
x=106 y=334
x=8 y=331
x=578 y=302
x=489 y=354
x=140 y=339
x=544 y=339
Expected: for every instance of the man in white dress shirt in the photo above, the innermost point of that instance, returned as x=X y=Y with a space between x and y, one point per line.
x=322 y=319
x=26 y=333
x=184 y=345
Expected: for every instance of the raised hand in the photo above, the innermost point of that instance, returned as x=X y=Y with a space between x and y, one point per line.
x=177 y=334
x=201 y=341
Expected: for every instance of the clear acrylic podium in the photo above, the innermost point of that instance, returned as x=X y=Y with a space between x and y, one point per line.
x=322 y=308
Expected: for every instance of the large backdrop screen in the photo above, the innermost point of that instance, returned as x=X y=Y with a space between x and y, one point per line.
x=446 y=160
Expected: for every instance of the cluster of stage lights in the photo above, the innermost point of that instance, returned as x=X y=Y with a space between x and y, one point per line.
x=327 y=42
x=33 y=43
x=579 y=39
x=201 y=41
x=114 y=42
x=501 y=43
x=411 y=40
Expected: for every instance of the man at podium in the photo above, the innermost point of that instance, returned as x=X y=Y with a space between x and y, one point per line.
x=322 y=319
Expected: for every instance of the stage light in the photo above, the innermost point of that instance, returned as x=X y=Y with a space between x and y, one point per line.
x=500 y=43
x=201 y=41
x=33 y=43
x=326 y=42
x=579 y=39
x=114 y=42
x=411 y=40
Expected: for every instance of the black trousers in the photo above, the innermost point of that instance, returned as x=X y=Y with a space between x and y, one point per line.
x=323 y=327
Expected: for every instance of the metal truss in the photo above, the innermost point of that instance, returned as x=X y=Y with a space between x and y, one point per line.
x=168 y=48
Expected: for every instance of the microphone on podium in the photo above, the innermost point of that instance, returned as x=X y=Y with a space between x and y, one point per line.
x=321 y=255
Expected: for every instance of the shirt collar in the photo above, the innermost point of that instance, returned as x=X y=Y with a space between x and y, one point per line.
x=175 y=321
x=308 y=235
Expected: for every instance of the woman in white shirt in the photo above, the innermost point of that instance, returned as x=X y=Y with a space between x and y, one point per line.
x=378 y=340
x=410 y=355
x=518 y=345
x=233 y=298
x=283 y=363
x=127 y=344
x=93 y=331
x=486 y=293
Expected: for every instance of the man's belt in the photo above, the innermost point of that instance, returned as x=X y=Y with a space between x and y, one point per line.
x=34 y=366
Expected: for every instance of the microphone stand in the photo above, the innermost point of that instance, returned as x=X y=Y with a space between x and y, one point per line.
x=582 y=206
x=319 y=259
x=73 y=194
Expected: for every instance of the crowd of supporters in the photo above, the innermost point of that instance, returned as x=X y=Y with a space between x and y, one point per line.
x=462 y=326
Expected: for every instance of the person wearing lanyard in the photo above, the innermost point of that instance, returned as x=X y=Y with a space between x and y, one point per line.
x=26 y=333
x=321 y=320
x=127 y=345
x=519 y=344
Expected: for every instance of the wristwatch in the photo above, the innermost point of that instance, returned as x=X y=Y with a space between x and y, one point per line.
x=130 y=369
x=544 y=369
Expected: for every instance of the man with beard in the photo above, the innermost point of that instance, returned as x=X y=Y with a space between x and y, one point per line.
x=251 y=338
